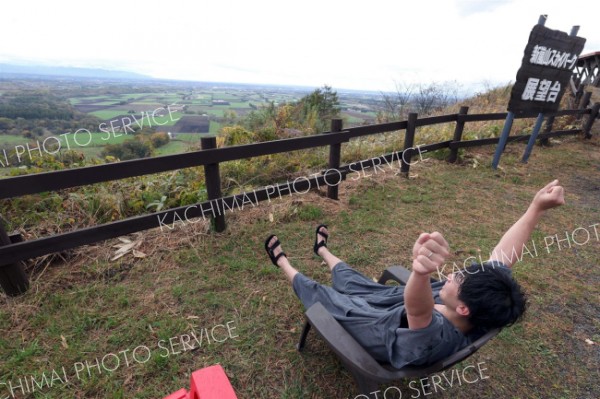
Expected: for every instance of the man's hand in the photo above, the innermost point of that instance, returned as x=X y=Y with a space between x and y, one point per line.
x=429 y=253
x=548 y=197
x=510 y=248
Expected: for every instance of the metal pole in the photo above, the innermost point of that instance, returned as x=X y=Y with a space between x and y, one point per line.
x=503 y=139
x=540 y=118
x=542 y=19
x=533 y=137
x=574 y=30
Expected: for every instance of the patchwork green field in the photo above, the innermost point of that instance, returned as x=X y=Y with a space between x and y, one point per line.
x=190 y=112
x=107 y=114
x=201 y=102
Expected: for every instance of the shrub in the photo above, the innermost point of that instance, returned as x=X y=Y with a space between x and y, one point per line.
x=159 y=139
x=237 y=135
x=131 y=149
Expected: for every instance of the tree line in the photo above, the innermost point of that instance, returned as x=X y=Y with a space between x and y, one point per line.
x=309 y=115
x=39 y=114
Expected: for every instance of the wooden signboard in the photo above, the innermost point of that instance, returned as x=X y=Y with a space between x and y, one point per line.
x=550 y=56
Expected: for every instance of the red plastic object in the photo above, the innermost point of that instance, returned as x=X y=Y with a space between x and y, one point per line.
x=211 y=383
x=181 y=394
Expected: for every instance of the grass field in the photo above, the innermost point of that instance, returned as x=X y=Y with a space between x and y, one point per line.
x=351 y=120
x=166 y=120
x=101 y=139
x=108 y=114
x=151 y=100
x=96 y=139
x=88 y=98
x=10 y=140
x=108 y=102
x=174 y=147
x=237 y=104
x=200 y=103
x=225 y=96
x=214 y=127
x=189 y=137
x=190 y=279
x=218 y=112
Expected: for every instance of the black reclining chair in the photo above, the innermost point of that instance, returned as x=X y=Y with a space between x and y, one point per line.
x=368 y=372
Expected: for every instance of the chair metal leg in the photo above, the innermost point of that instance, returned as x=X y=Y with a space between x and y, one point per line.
x=385 y=276
x=365 y=386
x=396 y=273
x=302 y=342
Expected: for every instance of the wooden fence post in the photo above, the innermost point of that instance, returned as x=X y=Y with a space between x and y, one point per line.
x=335 y=155
x=587 y=129
x=13 y=279
x=212 y=178
x=548 y=129
x=458 y=131
x=409 y=141
x=586 y=100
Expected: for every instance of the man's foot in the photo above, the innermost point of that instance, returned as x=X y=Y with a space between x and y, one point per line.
x=273 y=248
x=321 y=236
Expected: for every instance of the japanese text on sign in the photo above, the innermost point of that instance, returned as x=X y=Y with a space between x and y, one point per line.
x=544 y=90
x=542 y=55
x=547 y=65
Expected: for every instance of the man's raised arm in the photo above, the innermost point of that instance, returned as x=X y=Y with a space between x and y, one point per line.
x=510 y=247
x=429 y=252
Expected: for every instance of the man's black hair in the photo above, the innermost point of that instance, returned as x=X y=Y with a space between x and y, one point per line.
x=493 y=297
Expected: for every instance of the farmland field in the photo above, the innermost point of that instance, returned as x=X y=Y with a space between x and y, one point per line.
x=174 y=147
x=107 y=114
x=214 y=127
x=11 y=141
x=192 y=124
x=201 y=101
x=195 y=110
x=98 y=139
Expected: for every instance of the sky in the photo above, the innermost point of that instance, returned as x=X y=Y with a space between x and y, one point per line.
x=371 y=45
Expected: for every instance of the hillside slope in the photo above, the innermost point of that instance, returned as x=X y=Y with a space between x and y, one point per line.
x=188 y=279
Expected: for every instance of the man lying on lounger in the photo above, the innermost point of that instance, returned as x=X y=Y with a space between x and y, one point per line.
x=422 y=322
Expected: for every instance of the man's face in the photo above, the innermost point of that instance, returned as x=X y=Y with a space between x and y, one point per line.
x=449 y=292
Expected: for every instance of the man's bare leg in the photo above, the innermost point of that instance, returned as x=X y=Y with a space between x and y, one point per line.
x=324 y=253
x=283 y=262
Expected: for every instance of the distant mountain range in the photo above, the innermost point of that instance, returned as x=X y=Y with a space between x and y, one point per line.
x=10 y=70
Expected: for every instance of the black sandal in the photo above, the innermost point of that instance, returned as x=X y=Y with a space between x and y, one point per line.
x=271 y=250
x=322 y=243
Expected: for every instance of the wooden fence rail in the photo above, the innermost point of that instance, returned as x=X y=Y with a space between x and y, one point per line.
x=13 y=250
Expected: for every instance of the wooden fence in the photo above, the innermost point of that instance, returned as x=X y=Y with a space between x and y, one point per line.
x=13 y=250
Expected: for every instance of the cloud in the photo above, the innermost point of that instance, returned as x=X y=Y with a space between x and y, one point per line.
x=345 y=44
x=470 y=7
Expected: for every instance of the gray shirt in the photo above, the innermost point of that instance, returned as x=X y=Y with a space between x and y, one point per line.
x=375 y=316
